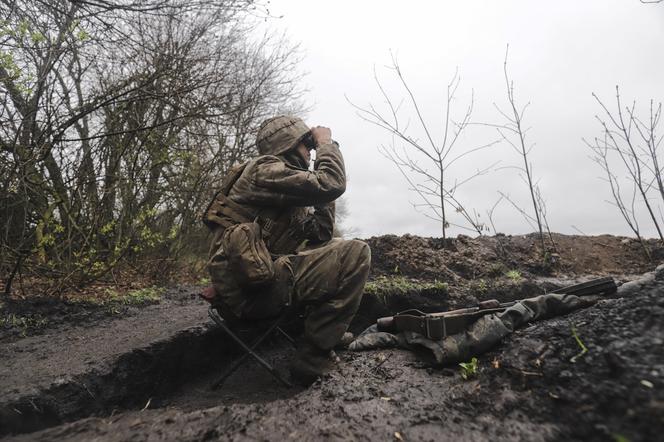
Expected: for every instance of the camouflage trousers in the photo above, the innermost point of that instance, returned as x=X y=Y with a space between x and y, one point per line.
x=326 y=282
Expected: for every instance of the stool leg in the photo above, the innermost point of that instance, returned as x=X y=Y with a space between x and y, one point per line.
x=287 y=337
x=248 y=351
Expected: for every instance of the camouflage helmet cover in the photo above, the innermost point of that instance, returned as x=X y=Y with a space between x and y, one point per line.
x=280 y=134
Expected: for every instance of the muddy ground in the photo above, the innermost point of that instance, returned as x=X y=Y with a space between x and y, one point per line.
x=145 y=374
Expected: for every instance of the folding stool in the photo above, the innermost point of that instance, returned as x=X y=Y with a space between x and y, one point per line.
x=269 y=326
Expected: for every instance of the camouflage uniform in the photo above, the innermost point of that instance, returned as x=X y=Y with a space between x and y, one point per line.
x=479 y=336
x=295 y=208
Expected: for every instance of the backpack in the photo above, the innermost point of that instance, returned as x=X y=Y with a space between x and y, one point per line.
x=242 y=239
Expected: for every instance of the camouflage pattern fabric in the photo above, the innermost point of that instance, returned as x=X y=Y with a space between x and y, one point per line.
x=296 y=209
x=328 y=282
x=274 y=181
x=278 y=135
x=481 y=336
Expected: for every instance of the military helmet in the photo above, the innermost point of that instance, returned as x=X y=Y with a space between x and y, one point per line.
x=280 y=134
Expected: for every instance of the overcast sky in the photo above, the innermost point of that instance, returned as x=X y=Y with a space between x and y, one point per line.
x=560 y=52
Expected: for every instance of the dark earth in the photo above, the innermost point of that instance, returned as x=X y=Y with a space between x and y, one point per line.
x=143 y=372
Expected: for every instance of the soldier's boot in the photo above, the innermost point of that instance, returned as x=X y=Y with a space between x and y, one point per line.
x=310 y=364
x=346 y=339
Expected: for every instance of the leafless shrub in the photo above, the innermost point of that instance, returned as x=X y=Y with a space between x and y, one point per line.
x=426 y=164
x=514 y=133
x=631 y=144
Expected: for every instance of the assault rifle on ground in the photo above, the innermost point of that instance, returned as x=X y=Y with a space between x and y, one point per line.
x=440 y=325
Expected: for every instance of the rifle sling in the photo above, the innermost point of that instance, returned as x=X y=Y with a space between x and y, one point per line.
x=440 y=326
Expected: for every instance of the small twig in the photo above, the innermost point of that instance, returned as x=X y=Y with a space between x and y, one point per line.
x=584 y=349
x=530 y=373
x=381 y=363
x=579 y=230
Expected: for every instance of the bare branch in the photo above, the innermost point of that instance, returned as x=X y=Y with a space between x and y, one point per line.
x=431 y=182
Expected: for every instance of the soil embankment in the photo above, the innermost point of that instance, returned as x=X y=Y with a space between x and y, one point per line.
x=147 y=375
x=75 y=371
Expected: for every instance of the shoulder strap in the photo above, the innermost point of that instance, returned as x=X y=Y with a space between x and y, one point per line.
x=221 y=210
x=231 y=177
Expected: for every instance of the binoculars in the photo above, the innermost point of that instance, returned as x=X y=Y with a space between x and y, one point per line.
x=309 y=141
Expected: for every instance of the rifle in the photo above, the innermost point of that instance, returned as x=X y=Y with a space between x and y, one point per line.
x=440 y=325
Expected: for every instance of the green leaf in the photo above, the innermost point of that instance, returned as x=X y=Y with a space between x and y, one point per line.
x=37 y=37
x=469 y=369
x=82 y=35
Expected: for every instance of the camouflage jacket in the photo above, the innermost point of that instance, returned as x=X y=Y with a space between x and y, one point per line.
x=293 y=204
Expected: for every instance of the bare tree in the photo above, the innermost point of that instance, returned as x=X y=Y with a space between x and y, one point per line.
x=426 y=164
x=601 y=155
x=631 y=144
x=514 y=133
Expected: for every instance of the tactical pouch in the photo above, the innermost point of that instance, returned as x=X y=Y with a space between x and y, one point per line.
x=247 y=255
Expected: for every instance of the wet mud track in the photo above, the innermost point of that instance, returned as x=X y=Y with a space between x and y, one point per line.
x=535 y=386
x=74 y=371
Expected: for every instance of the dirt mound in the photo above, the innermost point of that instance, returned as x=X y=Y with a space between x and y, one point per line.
x=485 y=257
x=434 y=275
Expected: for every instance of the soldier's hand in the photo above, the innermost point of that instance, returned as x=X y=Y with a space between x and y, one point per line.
x=322 y=135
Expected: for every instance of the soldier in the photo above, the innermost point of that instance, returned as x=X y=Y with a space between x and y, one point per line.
x=294 y=206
